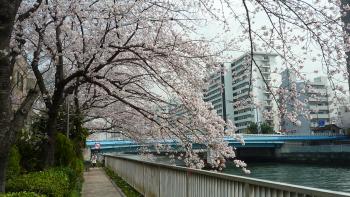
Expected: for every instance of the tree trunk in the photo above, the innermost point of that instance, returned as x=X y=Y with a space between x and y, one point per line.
x=51 y=130
x=8 y=10
x=3 y=165
x=5 y=117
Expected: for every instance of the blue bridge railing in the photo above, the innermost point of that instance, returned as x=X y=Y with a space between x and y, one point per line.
x=251 y=140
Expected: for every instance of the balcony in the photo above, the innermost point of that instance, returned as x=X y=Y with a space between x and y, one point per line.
x=318 y=99
x=267 y=106
x=243 y=113
x=319 y=116
x=243 y=120
x=238 y=81
x=317 y=91
x=267 y=78
x=268 y=99
x=315 y=107
x=240 y=93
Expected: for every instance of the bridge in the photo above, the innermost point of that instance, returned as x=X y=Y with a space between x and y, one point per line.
x=251 y=141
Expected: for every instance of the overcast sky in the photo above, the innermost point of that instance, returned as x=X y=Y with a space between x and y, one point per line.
x=211 y=29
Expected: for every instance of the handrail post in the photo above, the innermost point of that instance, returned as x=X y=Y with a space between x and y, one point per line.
x=187 y=187
x=247 y=190
x=160 y=182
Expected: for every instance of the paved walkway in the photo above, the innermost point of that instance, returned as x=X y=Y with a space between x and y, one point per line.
x=96 y=183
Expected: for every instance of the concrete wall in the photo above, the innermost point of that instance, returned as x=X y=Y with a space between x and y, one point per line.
x=321 y=154
x=298 y=152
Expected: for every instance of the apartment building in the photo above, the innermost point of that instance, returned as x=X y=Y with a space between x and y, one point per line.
x=219 y=92
x=252 y=99
x=316 y=98
x=319 y=101
x=290 y=104
x=239 y=93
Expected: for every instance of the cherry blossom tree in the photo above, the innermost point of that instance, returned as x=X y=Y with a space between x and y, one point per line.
x=119 y=51
x=113 y=55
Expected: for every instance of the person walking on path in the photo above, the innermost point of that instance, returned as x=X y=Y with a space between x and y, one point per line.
x=94 y=160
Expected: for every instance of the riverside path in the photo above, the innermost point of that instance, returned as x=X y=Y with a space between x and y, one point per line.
x=96 y=183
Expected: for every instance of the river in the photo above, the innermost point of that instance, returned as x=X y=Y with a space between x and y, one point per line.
x=317 y=176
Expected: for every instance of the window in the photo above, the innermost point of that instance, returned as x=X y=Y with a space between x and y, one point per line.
x=243 y=117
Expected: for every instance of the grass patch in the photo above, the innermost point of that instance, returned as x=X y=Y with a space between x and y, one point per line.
x=22 y=194
x=124 y=186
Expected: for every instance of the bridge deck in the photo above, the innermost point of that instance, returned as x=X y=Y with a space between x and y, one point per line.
x=265 y=141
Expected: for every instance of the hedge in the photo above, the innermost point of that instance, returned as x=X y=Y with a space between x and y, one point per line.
x=53 y=182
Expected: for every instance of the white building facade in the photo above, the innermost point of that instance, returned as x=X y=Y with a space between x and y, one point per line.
x=252 y=98
x=241 y=94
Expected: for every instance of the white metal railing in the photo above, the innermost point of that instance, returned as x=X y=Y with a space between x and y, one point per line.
x=154 y=179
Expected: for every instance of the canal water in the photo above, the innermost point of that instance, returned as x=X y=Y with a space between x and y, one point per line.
x=325 y=177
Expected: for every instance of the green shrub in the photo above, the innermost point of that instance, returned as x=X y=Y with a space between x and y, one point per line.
x=64 y=150
x=78 y=166
x=22 y=194
x=53 y=182
x=75 y=180
x=71 y=175
x=76 y=192
x=13 y=168
x=70 y=162
x=31 y=146
x=266 y=128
